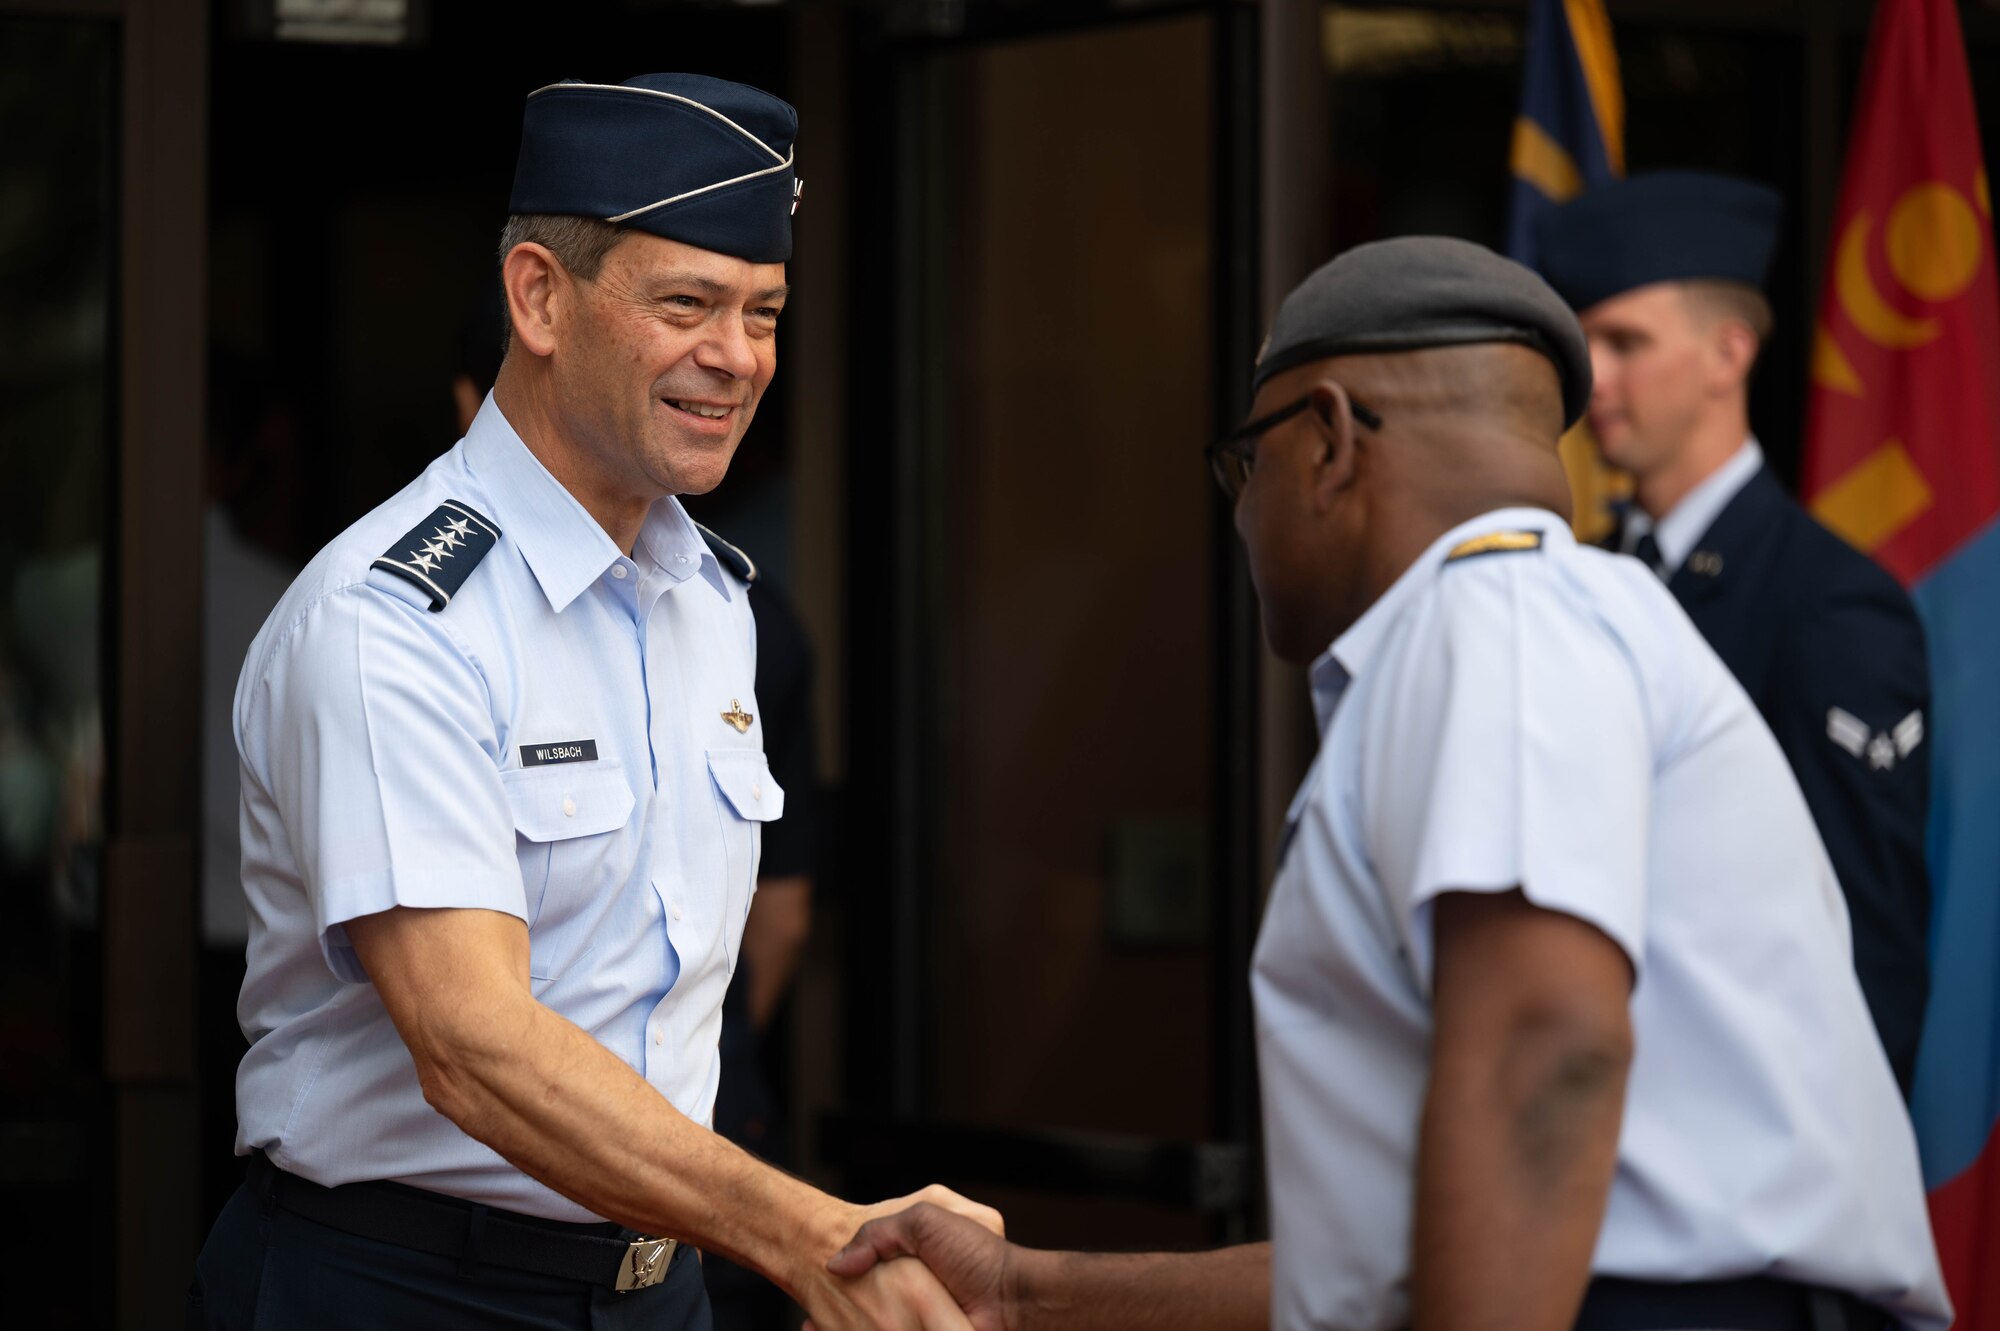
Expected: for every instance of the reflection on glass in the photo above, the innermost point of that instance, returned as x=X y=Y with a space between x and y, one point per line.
x=56 y=228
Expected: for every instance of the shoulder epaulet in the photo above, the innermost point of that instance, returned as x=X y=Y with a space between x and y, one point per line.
x=733 y=559
x=440 y=552
x=1495 y=543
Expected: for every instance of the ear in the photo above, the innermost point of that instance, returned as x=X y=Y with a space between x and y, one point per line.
x=1733 y=350
x=1335 y=463
x=537 y=287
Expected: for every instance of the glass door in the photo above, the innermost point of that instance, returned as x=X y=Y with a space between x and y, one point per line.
x=1049 y=989
x=58 y=241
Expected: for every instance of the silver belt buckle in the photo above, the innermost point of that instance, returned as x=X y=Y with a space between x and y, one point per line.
x=645 y=1263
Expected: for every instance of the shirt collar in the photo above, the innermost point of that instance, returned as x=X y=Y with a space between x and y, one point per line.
x=565 y=547
x=1688 y=521
x=1335 y=668
x=670 y=538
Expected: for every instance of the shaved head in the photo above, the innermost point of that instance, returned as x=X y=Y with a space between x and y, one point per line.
x=1335 y=510
x=1502 y=387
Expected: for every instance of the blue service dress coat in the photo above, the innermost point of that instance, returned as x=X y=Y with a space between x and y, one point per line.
x=1829 y=647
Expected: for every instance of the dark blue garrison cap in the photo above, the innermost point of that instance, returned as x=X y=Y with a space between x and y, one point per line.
x=698 y=160
x=1664 y=226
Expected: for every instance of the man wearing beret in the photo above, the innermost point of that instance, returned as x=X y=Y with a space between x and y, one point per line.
x=1556 y=1025
x=503 y=789
x=1667 y=270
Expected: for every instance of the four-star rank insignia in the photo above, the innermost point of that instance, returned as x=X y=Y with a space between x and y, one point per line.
x=440 y=552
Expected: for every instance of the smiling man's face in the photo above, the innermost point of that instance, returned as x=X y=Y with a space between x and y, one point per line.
x=666 y=354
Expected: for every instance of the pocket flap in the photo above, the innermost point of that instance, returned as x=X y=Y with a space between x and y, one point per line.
x=744 y=778
x=556 y=803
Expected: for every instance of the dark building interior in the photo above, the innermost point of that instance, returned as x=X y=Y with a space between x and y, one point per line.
x=242 y=253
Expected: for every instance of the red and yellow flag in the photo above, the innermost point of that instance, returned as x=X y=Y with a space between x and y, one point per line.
x=1905 y=406
x=1903 y=459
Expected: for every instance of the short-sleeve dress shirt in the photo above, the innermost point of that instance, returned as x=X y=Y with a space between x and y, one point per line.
x=563 y=742
x=1549 y=719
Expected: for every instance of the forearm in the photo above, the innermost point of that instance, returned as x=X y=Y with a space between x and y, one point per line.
x=774 y=937
x=564 y=1109
x=1517 y=1149
x=1228 y=1289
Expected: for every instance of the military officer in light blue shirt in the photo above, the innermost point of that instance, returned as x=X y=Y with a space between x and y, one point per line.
x=503 y=790
x=1557 y=1022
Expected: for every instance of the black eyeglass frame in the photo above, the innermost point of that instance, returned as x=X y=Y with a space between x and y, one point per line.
x=1240 y=444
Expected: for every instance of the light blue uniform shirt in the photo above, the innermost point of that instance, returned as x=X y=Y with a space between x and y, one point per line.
x=388 y=758
x=1549 y=720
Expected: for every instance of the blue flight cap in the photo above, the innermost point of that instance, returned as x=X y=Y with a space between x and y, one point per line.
x=698 y=160
x=1664 y=226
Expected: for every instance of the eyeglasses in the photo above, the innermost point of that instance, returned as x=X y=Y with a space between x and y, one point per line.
x=1234 y=456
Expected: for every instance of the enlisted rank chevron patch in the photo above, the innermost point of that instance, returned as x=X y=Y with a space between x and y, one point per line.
x=440 y=552
x=1495 y=543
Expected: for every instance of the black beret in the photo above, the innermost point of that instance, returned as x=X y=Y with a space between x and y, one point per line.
x=1664 y=226
x=1425 y=291
x=698 y=160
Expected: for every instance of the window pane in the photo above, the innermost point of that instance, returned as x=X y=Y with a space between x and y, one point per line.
x=57 y=226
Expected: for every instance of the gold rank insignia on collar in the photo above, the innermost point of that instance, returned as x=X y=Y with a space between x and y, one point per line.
x=1495 y=543
x=737 y=717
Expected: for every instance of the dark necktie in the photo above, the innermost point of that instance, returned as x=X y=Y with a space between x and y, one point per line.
x=1648 y=550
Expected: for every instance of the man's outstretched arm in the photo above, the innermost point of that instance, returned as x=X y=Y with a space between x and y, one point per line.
x=567 y=1111
x=1003 y=1287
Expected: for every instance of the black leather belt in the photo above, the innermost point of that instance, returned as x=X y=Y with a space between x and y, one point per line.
x=468 y=1232
x=1754 y=1303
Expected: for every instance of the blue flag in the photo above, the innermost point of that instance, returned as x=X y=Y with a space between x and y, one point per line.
x=1570 y=133
x=1569 y=136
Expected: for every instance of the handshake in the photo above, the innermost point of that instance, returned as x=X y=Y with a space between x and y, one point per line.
x=931 y=1261
x=935 y=1261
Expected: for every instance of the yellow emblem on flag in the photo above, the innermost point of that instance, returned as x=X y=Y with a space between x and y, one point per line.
x=1878 y=497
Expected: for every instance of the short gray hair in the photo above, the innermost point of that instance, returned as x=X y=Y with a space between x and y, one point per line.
x=579 y=244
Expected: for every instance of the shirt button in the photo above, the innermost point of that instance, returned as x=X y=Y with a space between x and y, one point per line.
x=659 y=1036
x=757 y=790
x=618 y=570
x=680 y=559
x=569 y=807
x=675 y=911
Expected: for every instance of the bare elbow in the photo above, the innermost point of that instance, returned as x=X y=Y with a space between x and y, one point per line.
x=441 y=1075
x=444 y=1089
x=453 y=1053
x=454 y=982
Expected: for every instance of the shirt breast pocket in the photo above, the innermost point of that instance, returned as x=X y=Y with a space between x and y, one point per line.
x=747 y=798
x=564 y=820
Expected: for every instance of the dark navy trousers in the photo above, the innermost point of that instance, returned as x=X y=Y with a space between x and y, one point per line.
x=266 y=1269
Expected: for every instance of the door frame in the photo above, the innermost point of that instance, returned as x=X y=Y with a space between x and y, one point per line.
x=898 y=594
x=152 y=643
